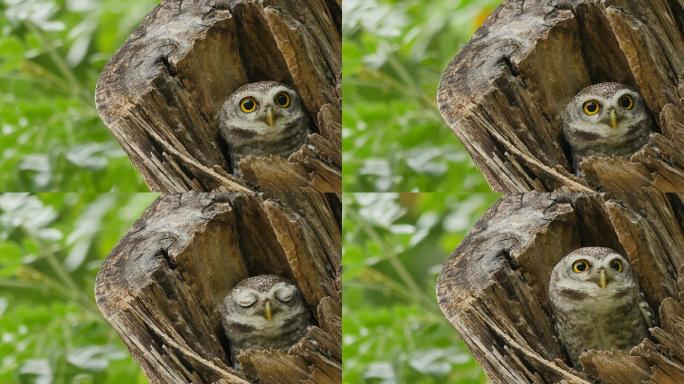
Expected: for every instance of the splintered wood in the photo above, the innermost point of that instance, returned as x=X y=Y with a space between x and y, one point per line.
x=494 y=288
x=504 y=93
x=161 y=286
x=161 y=92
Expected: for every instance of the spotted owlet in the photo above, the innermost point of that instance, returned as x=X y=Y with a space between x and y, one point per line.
x=606 y=119
x=263 y=312
x=263 y=118
x=597 y=303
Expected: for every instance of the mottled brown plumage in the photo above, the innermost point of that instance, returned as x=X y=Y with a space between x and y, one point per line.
x=598 y=306
x=615 y=128
x=263 y=312
x=270 y=128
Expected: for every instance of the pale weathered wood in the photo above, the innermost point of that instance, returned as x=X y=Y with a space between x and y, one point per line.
x=161 y=92
x=161 y=286
x=504 y=92
x=494 y=288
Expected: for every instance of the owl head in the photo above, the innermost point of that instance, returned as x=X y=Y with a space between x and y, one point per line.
x=263 y=303
x=264 y=108
x=605 y=110
x=593 y=270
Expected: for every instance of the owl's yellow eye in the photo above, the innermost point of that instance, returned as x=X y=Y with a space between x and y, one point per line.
x=282 y=99
x=626 y=102
x=616 y=264
x=248 y=104
x=591 y=107
x=580 y=266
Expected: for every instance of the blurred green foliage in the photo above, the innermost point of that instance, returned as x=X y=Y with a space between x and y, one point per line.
x=51 y=53
x=394 y=248
x=51 y=247
x=394 y=52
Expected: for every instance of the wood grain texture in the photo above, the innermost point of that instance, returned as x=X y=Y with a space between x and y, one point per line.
x=504 y=92
x=494 y=287
x=161 y=92
x=161 y=285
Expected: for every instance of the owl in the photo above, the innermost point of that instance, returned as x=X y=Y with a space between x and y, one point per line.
x=606 y=119
x=263 y=312
x=597 y=303
x=263 y=118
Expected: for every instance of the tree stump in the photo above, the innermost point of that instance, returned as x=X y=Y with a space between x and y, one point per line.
x=161 y=92
x=504 y=92
x=161 y=286
x=494 y=288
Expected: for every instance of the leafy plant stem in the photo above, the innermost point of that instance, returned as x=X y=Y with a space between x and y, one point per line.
x=432 y=312
x=66 y=278
x=391 y=257
x=77 y=89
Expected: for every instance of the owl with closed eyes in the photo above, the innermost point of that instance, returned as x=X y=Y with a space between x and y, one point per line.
x=263 y=312
x=263 y=118
x=597 y=303
x=606 y=119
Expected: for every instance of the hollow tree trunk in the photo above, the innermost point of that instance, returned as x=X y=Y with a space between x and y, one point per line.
x=504 y=93
x=493 y=289
x=161 y=92
x=161 y=286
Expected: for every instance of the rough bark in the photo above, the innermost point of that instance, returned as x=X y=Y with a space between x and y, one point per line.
x=161 y=92
x=493 y=289
x=504 y=92
x=161 y=285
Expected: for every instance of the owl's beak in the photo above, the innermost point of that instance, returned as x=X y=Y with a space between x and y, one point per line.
x=614 y=119
x=603 y=278
x=268 y=311
x=270 y=118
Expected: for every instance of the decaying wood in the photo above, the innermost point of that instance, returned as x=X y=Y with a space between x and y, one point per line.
x=318 y=354
x=161 y=286
x=494 y=288
x=504 y=93
x=161 y=92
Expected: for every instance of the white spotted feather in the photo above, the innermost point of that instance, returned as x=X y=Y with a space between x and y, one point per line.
x=254 y=133
x=589 y=316
x=263 y=312
x=598 y=135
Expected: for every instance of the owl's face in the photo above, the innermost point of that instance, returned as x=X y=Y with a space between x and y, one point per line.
x=263 y=108
x=596 y=271
x=265 y=302
x=606 y=110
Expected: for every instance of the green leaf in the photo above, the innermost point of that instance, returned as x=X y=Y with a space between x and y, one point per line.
x=10 y=258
